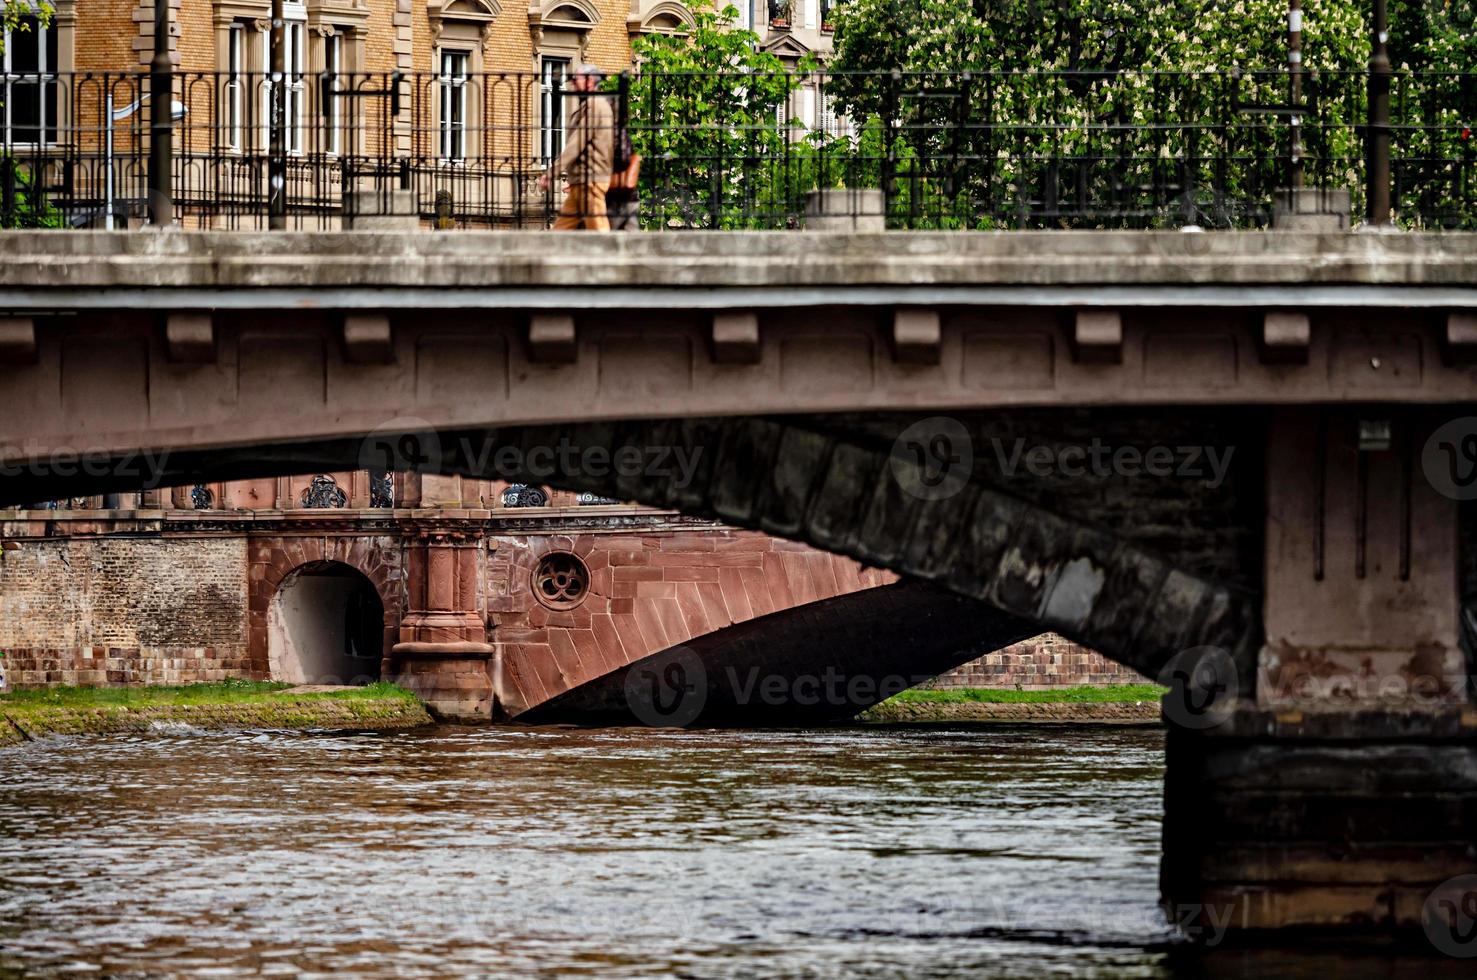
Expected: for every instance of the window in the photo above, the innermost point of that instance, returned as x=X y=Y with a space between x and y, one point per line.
x=453 y=83
x=235 y=84
x=294 y=34
x=552 y=75
x=332 y=61
x=28 y=94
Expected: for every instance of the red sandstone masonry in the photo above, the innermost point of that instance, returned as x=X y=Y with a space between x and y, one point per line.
x=171 y=609
x=648 y=593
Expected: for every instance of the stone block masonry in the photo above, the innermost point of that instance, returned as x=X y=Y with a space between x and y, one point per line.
x=123 y=610
x=1043 y=663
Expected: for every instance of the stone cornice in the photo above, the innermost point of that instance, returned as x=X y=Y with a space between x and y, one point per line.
x=23 y=525
x=479 y=12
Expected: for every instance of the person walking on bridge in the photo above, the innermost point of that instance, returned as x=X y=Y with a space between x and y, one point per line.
x=587 y=156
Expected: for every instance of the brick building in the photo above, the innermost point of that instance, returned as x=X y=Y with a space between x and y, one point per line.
x=462 y=103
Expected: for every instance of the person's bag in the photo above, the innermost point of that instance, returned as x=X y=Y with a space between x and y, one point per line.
x=629 y=176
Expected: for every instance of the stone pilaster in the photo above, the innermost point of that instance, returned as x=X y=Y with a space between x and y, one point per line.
x=143 y=44
x=443 y=651
x=404 y=48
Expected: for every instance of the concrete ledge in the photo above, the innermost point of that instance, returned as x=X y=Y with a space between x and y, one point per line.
x=37 y=260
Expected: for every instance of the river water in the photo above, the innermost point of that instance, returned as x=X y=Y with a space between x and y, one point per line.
x=613 y=853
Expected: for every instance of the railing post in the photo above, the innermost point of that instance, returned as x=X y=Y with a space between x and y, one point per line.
x=277 y=163
x=1377 y=191
x=161 y=146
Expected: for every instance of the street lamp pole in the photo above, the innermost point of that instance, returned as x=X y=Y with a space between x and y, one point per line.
x=161 y=145
x=1377 y=139
x=277 y=164
x=1295 y=92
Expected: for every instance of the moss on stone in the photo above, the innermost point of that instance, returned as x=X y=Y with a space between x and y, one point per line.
x=212 y=707
x=895 y=711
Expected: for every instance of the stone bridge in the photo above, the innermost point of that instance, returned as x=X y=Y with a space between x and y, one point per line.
x=1241 y=462
x=488 y=614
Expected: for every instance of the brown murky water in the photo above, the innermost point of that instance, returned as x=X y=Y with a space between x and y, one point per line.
x=616 y=853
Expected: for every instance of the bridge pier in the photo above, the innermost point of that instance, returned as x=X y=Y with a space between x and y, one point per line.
x=1340 y=795
x=1357 y=823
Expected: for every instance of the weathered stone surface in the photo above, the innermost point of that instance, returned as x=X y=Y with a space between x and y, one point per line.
x=477 y=259
x=1343 y=826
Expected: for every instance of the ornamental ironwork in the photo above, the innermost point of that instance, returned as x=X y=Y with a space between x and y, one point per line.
x=594 y=500
x=561 y=580
x=324 y=493
x=523 y=495
x=201 y=497
x=381 y=489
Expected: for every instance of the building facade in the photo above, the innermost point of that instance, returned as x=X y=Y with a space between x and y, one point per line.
x=459 y=105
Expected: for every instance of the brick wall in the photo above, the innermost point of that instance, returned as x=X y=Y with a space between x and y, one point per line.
x=1047 y=661
x=117 y=35
x=96 y=611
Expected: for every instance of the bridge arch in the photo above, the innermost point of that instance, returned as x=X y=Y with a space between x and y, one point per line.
x=815 y=480
x=325 y=625
x=280 y=565
x=839 y=483
x=583 y=607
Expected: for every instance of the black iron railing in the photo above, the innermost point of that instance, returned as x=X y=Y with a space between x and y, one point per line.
x=993 y=150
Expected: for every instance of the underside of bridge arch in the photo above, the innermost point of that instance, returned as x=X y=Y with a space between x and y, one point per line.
x=1140 y=570
x=813 y=664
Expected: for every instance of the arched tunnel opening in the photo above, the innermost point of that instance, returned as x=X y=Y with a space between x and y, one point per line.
x=326 y=626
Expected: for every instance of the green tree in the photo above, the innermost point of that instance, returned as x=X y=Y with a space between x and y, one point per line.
x=13 y=15
x=1033 y=102
x=706 y=110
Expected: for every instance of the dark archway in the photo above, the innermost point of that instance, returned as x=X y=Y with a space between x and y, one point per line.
x=325 y=626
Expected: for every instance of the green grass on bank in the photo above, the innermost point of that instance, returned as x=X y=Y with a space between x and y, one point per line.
x=1112 y=693
x=224 y=692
